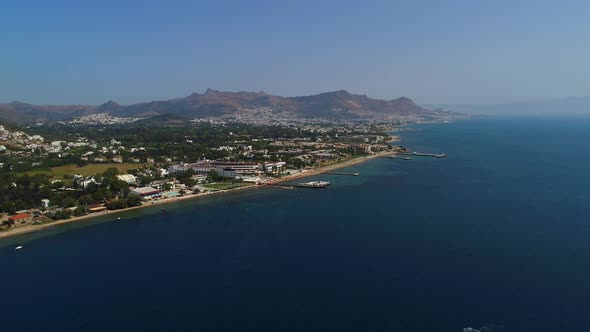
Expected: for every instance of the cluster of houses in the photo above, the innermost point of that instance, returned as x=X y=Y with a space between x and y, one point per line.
x=285 y=149
x=302 y=148
x=34 y=216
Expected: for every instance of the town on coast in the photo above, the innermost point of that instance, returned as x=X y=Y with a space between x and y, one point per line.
x=95 y=161
x=160 y=198
x=123 y=185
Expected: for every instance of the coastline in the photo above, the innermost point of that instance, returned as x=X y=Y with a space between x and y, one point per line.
x=33 y=228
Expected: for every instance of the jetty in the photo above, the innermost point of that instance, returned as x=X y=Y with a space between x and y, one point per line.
x=423 y=154
x=280 y=186
x=341 y=173
x=396 y=157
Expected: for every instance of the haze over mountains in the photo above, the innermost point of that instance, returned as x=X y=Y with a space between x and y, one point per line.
x=330 y=105
x=556 y=107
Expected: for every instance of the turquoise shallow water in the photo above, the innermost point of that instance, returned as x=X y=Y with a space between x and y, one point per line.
x=495 y=235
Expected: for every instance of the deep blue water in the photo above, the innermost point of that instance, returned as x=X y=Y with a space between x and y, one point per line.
x=497 y=235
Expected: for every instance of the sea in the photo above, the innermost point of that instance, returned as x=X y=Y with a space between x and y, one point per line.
x=494 y=237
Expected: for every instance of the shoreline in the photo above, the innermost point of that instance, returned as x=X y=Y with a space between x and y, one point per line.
x=33 y=228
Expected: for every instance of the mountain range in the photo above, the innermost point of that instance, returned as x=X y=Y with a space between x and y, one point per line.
x=330 y=105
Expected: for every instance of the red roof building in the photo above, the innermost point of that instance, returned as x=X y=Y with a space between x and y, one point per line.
x=21 y=218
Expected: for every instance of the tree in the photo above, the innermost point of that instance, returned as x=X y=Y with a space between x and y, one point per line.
x=86 y=199
x=145 y=180
x=55 y=199
x=133 y=200
x=44 y=192
x=115 y=185
x=189 y=172
x=9 y=207
x=68 y=202
x=111 y=172
x=98 y=196
x=213 y=176
x=79 y=211
x=189 y=182
x=61 y=214
x=299 y=163
x=117 y=204
x=24 y=181
x=91 y=187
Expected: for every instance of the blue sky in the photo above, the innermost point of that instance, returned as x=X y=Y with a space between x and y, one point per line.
x=456 y=52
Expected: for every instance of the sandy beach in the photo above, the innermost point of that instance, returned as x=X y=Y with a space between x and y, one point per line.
x=311 y=172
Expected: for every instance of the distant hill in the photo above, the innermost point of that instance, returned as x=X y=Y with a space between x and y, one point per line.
x=343 y=104
x=20 y=113
x=331 y=105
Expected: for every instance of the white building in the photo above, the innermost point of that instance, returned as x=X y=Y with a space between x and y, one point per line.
x=45 y=203
x=129 y=178
x=274 y=168
x=226 y=172
x=147 y=193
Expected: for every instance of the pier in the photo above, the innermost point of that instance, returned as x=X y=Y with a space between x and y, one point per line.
x=422 y=154
x=340 y=173
x=280 y=186
x=400 y=157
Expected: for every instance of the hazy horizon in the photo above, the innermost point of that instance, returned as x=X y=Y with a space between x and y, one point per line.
x=453 y=53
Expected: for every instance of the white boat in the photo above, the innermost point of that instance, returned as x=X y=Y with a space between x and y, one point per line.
x=18 y=248
x=314 y=184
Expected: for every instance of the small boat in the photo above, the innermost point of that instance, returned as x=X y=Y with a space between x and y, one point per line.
x=18 y=248
x=119 y=218
x=164 y=210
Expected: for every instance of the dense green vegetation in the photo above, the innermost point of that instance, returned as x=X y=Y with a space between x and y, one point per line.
x=204 y=134
x=188 y=142
x=29 y=175
x=19 y=192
